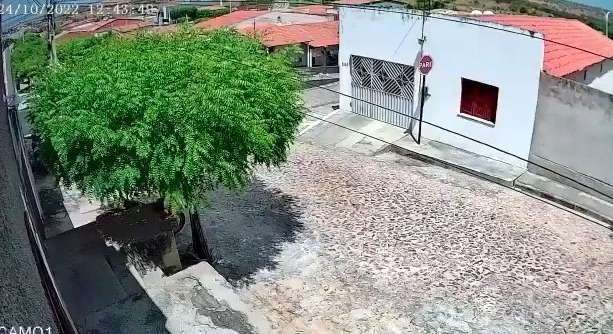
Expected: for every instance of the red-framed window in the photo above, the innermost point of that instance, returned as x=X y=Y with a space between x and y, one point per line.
x=479 y=100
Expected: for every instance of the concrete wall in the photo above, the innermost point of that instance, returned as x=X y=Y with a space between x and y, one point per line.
x=318 y=58
x=573 y=134
x=459 y=51
x=599 y=76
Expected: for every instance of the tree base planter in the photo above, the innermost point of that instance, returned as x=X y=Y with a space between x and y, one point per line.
x=147 y=240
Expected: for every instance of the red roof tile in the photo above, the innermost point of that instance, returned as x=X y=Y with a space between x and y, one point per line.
x=89 y=26
x=313 y=9
x=315 y=34
x=560 y=60
x=230 y=19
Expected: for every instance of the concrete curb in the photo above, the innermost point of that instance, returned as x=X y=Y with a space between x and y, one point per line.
x=445 y=164
x=595 y=216
x=589 y=214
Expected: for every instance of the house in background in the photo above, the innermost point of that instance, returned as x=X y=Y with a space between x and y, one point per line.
x=564 y=61
x=241 y=19
x=318 y=41
x=495 y=79
x=96 y=28
x=479 y=86
x=313 y=28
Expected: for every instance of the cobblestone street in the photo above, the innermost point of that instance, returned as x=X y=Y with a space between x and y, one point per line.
x=392 y=245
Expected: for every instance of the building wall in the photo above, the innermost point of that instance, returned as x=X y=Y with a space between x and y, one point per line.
x=599 y=76
x=24 y=301
x=573 y=134
x=318 y=58
x=458 y=50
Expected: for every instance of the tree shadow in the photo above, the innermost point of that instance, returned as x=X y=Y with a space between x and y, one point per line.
x=141 y=233
x=94 y=281
x=100 y=292
x=245 y=231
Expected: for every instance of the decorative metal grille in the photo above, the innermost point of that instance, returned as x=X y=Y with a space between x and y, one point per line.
x=383 y=76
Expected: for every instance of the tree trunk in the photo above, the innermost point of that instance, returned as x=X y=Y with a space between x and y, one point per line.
x=201 y=247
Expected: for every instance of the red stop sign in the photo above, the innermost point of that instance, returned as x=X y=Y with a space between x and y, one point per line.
x=425 y=64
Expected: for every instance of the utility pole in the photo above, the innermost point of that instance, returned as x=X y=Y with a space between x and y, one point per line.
x=606 y=25
x=50 y=7
x=424 y=6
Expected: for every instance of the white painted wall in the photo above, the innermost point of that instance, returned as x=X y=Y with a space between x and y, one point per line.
x=599 y=76
x=512 y=62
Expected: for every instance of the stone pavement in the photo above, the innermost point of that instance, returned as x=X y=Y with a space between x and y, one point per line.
x=323 y=133
x=394 y=245
x=389 y=244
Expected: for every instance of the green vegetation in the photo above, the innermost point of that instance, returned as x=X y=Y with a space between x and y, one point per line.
x=29 y=58
x=76 y=49
x=527 y=7
x=195 y=13
x=524 y=7
x=171 y=116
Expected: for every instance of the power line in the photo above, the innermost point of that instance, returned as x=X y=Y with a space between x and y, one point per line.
x=452 y=18
x=443 y=17
x=458 y=134
x=467 y=171
x=449 y=131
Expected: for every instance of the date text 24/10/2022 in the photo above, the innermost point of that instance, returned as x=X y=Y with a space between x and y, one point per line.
x=75 y=8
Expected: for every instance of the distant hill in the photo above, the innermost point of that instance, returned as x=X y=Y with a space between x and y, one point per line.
x=592 y=16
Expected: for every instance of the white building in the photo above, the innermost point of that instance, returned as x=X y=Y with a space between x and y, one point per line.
x=484 y=82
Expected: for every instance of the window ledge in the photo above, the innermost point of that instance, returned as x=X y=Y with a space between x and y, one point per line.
x=477 y=119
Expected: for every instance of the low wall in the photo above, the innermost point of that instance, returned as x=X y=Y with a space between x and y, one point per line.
x=573 y=135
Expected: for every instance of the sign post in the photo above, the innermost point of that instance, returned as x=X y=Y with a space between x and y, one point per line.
x=425 y=65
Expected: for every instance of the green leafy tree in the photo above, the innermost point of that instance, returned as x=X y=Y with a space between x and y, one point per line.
x=75 y=49
x=171 y=116
x=29 y=58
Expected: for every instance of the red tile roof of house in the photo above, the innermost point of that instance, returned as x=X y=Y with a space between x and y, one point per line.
x=313 y=9
x=230 y=19
x=560 y=60
x=314 y=34
x=89 y=26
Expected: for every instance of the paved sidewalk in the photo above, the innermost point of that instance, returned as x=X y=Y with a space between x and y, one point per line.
x=199 y=300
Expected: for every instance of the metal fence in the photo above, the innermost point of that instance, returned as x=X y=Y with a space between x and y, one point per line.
x=380 y=86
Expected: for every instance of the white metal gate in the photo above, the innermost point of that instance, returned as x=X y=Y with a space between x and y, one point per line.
x=377 y=83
